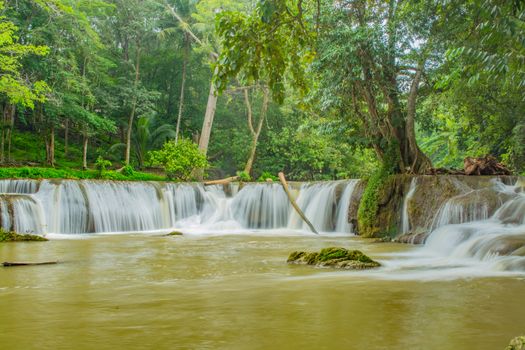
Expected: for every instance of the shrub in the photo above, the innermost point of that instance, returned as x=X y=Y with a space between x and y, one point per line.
x=267 y=175
x=180 y=160
x=102 y=164
x=244 y=176
x=128 y=170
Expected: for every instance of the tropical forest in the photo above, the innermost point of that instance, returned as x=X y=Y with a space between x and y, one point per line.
x=262 y=174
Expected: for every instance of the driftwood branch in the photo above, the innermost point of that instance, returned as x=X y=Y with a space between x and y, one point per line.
x=296 y=207
x=221 y=181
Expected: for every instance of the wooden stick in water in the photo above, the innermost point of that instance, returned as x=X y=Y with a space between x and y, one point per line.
x=11 y=264
x=296 y=207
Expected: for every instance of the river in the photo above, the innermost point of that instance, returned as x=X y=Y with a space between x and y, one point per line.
x=143 y=291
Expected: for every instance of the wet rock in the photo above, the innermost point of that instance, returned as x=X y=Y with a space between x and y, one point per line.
x=417 y=237
x=517 y=343
x=334 y=257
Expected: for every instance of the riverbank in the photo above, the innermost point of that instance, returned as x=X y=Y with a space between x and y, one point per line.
x=73 y=174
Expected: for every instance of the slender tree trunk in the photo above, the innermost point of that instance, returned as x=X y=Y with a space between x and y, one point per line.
x=10 y=132
x=212 y=96
x=183 y=83
x=50 y=145
x=133 y=107
x=66 y=137
x=255 y=132
x=2 y=141
x=84 y=151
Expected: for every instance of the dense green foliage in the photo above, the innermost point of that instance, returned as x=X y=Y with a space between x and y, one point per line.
x=180 y=159
x=117 y=79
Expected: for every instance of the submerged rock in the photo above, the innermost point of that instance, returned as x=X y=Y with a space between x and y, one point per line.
x=334 y=257
x=517 y=343
x=10 y=236
x=419 y=236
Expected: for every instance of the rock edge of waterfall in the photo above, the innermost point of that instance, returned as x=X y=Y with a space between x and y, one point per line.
x=334 y=257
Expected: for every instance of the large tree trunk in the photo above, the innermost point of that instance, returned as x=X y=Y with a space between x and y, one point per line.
x=208 y=118
x=255 y=132
x=416 y=161
x=133 y=107
x=182 y=85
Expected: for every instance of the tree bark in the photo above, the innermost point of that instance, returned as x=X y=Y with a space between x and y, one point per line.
x=212 y=96
x=133 y=106
x=66 y=137
x=255 y=132
x=416 y=159
x=294 y=204
x=10 y=132
x=182 y=85
x=51 y=153
x=204 y=139
x=84 y=151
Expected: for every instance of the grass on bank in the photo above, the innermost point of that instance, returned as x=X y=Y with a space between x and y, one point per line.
x=52 y=173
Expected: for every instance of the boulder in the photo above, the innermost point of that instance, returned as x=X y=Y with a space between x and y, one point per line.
x=334 y=257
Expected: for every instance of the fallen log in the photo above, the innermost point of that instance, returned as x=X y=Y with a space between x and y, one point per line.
x=11 y=264
x=296 y=207
x=221 y=181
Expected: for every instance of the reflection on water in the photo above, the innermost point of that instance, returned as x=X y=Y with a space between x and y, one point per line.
x=237 y=292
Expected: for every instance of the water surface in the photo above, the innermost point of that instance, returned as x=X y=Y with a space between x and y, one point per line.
x=237 y=292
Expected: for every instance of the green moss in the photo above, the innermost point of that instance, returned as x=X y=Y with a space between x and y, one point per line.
x=175 y=233
x=369 y=205
x=334 y=257
x=10 y=236
x=379 y=188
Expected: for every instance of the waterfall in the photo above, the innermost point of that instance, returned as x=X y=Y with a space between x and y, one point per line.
x=405 y=219
x=469 y=232
x=91 y=206
x=342 y=221
x=326 y=205
x=261 y=206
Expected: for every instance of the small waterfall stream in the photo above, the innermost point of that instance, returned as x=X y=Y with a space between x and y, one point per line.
x=85 y=206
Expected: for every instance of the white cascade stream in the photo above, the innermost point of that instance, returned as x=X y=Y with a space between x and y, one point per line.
x=86 y=206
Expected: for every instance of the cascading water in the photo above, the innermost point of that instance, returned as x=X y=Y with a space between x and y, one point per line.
x=325 y=204
x=85 y=206
x=405 y=219
x=472 y=234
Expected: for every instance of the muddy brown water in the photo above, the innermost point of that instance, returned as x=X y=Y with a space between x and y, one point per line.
x=237 y=292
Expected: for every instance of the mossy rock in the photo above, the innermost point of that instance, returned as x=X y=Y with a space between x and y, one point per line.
x=10 y=236
x=517 y=343
x=175 y=233
x=334 y=257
